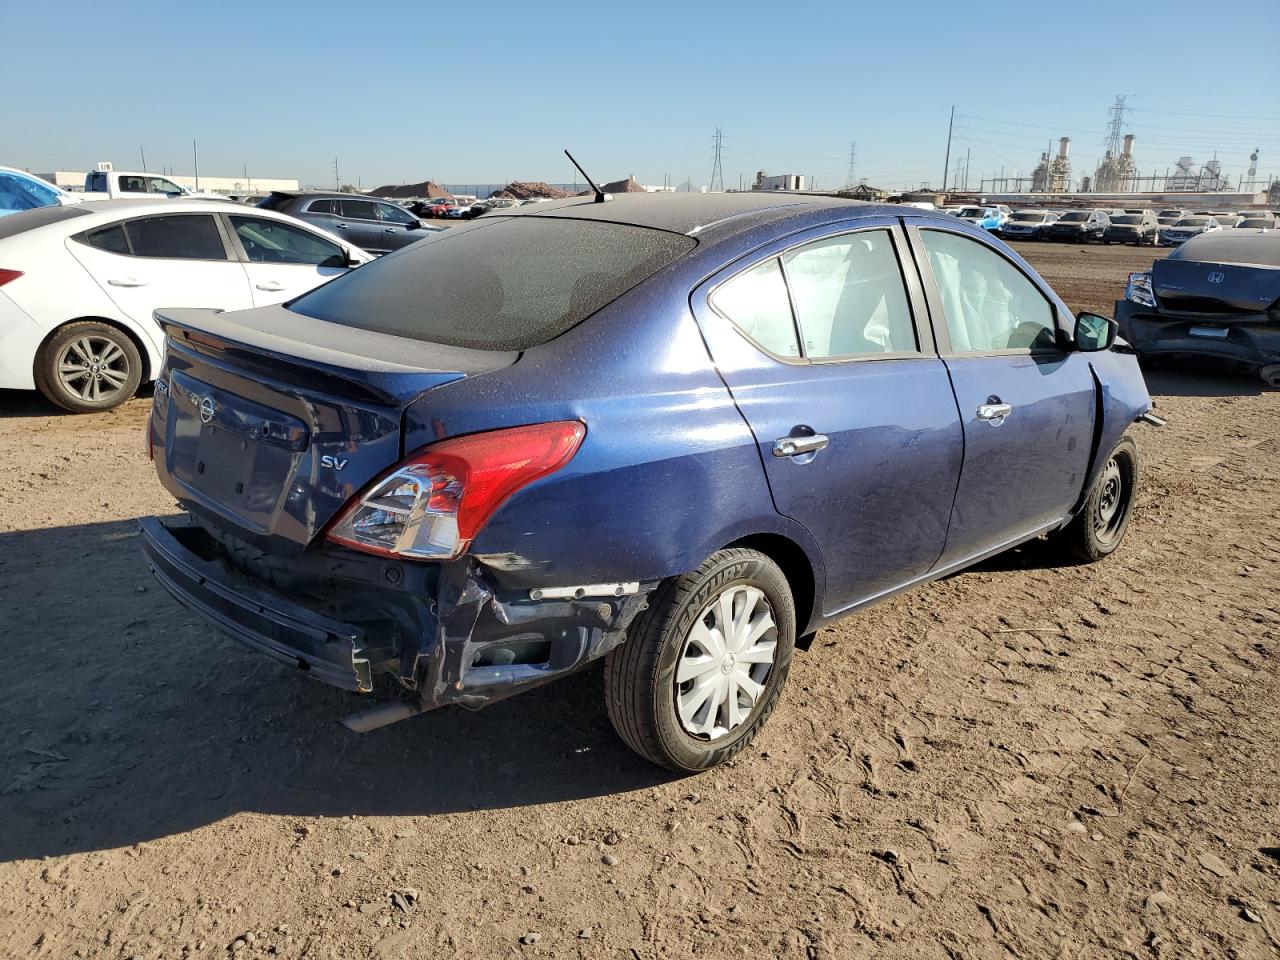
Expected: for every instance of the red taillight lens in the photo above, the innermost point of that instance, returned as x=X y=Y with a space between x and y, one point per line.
x=8 y=276
x=433 y=504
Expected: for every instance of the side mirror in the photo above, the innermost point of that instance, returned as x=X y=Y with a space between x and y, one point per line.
x=352 y=259
x=414 y=225
x=1094 y=333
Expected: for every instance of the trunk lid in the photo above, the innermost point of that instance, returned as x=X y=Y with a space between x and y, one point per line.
x=267 y=421
x=1206 y=287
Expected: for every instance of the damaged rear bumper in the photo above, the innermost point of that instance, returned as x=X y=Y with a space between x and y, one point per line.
x=1247 y=341
x=449 y=632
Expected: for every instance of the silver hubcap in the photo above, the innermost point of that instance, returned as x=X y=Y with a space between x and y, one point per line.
x=1109 y=504
x=725 y=662
x=93 y=368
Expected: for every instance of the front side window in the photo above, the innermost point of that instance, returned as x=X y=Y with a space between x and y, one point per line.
x=268 y=241
x=183 y=236
x=989 y=304
x=392 y=214
x=756 y=302
x=849 y=296
x=359 y=210
x=161 y=185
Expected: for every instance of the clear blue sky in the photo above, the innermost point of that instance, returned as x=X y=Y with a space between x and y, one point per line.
x=488 y=92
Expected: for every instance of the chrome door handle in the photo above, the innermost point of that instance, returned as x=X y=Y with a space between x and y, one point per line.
x=127 y=282
x=270 y=286
x=339 y=226
x=794 y=446
x=994 y=411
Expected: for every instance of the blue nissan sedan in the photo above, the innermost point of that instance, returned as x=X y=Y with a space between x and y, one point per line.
x=678 y=432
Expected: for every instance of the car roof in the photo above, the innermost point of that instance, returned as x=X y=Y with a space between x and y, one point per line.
x=92 y=213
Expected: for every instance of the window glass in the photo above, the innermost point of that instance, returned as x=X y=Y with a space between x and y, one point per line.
x=849 y=296
x=131 y=184
x=320 y=206
x=21 y=193
x=269 y=241
x=757 y=303
x=161 y=185
x=503 y=283
x=180 y=236
x=393 y=214
x=359 y=210
x=109 y=238
x=989 y=304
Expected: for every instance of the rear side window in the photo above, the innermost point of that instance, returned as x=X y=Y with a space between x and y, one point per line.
x=359 y=210
x=756 y=303
x=849 y=296
x=506 y=283
x=110 y=239
x=320 y=206
x=176 y=237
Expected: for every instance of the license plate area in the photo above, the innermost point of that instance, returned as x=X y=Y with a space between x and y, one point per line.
x=1215 y=333
x=238 y=454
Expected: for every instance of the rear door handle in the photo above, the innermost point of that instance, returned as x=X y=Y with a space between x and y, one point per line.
x=270 y=286
x=994 y=410
x=794 y=446
x=126 y=282
x=339 y=226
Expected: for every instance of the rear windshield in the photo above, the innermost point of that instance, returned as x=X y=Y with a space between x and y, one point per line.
x=1254 y=249
x=505 y=283
x=275 y=201
x=1127 y=218
x=1075 y=217
x=1193 y=222
x=16 y=223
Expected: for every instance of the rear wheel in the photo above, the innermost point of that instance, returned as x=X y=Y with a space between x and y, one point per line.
x=87 y=366
x=1101 y=524
x=704 y=666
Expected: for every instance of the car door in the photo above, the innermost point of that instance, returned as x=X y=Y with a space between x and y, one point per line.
x=167 y=260
x=825 y=347
x=283 y=260
x=362 y=226
x=399 y=226
x=1027 y=402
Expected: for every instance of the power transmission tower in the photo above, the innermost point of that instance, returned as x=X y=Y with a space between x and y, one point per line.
x=1115 y=126
x=337 y=185
x=853 y=156
x=717 y=171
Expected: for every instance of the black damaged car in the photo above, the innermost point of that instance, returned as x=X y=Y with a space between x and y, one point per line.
x=1213 y=300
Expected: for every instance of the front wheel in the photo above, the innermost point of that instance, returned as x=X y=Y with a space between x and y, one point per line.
x=704 y=666
x=88 y=366
x=1101 y=524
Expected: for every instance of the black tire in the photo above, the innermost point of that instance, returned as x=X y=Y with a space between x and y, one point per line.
x=1097 y=530
x=639 y=679
x=110 y=359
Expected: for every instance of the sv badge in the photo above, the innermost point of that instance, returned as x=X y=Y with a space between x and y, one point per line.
x=333 y=463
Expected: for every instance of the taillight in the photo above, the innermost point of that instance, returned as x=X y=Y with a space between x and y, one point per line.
x=8 y=276
x=432 y=505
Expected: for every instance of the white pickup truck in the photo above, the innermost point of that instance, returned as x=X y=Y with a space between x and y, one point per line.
x=106 y=183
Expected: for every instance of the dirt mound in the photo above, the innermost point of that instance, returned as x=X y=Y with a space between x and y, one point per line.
x=427 y=189
x=530 y=190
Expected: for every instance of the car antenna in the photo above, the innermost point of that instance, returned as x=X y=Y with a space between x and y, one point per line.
x=601 y=196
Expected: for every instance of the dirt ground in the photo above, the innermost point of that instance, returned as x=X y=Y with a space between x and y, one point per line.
x=1022 y=761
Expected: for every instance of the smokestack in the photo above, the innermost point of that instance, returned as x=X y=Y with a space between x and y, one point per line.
x=1128 y=145
x=1063 y=145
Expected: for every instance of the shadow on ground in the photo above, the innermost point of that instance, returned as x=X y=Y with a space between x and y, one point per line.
x=32 y=403
x=124 y=719
x=1182 y=381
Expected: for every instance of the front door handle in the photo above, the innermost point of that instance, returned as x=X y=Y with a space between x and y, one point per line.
x=994 y=410
x=127 y=282
x=270 y=286
x=794 y=446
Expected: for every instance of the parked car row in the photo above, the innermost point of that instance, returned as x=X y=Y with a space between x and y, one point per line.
x=376 y=226
x=79 y=284
x=1141 y=227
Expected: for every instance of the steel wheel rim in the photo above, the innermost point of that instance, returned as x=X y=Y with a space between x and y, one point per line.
x=1110 y=501
x=725 y=662
x=93 y=368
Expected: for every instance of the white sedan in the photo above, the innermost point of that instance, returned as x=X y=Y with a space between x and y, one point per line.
x=78 y=285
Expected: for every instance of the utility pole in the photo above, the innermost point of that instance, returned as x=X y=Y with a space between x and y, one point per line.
x=142 y=153
x=195 y=162
x=966 y=167
x=717 y=171
x=946 y=164
x=853 y=157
